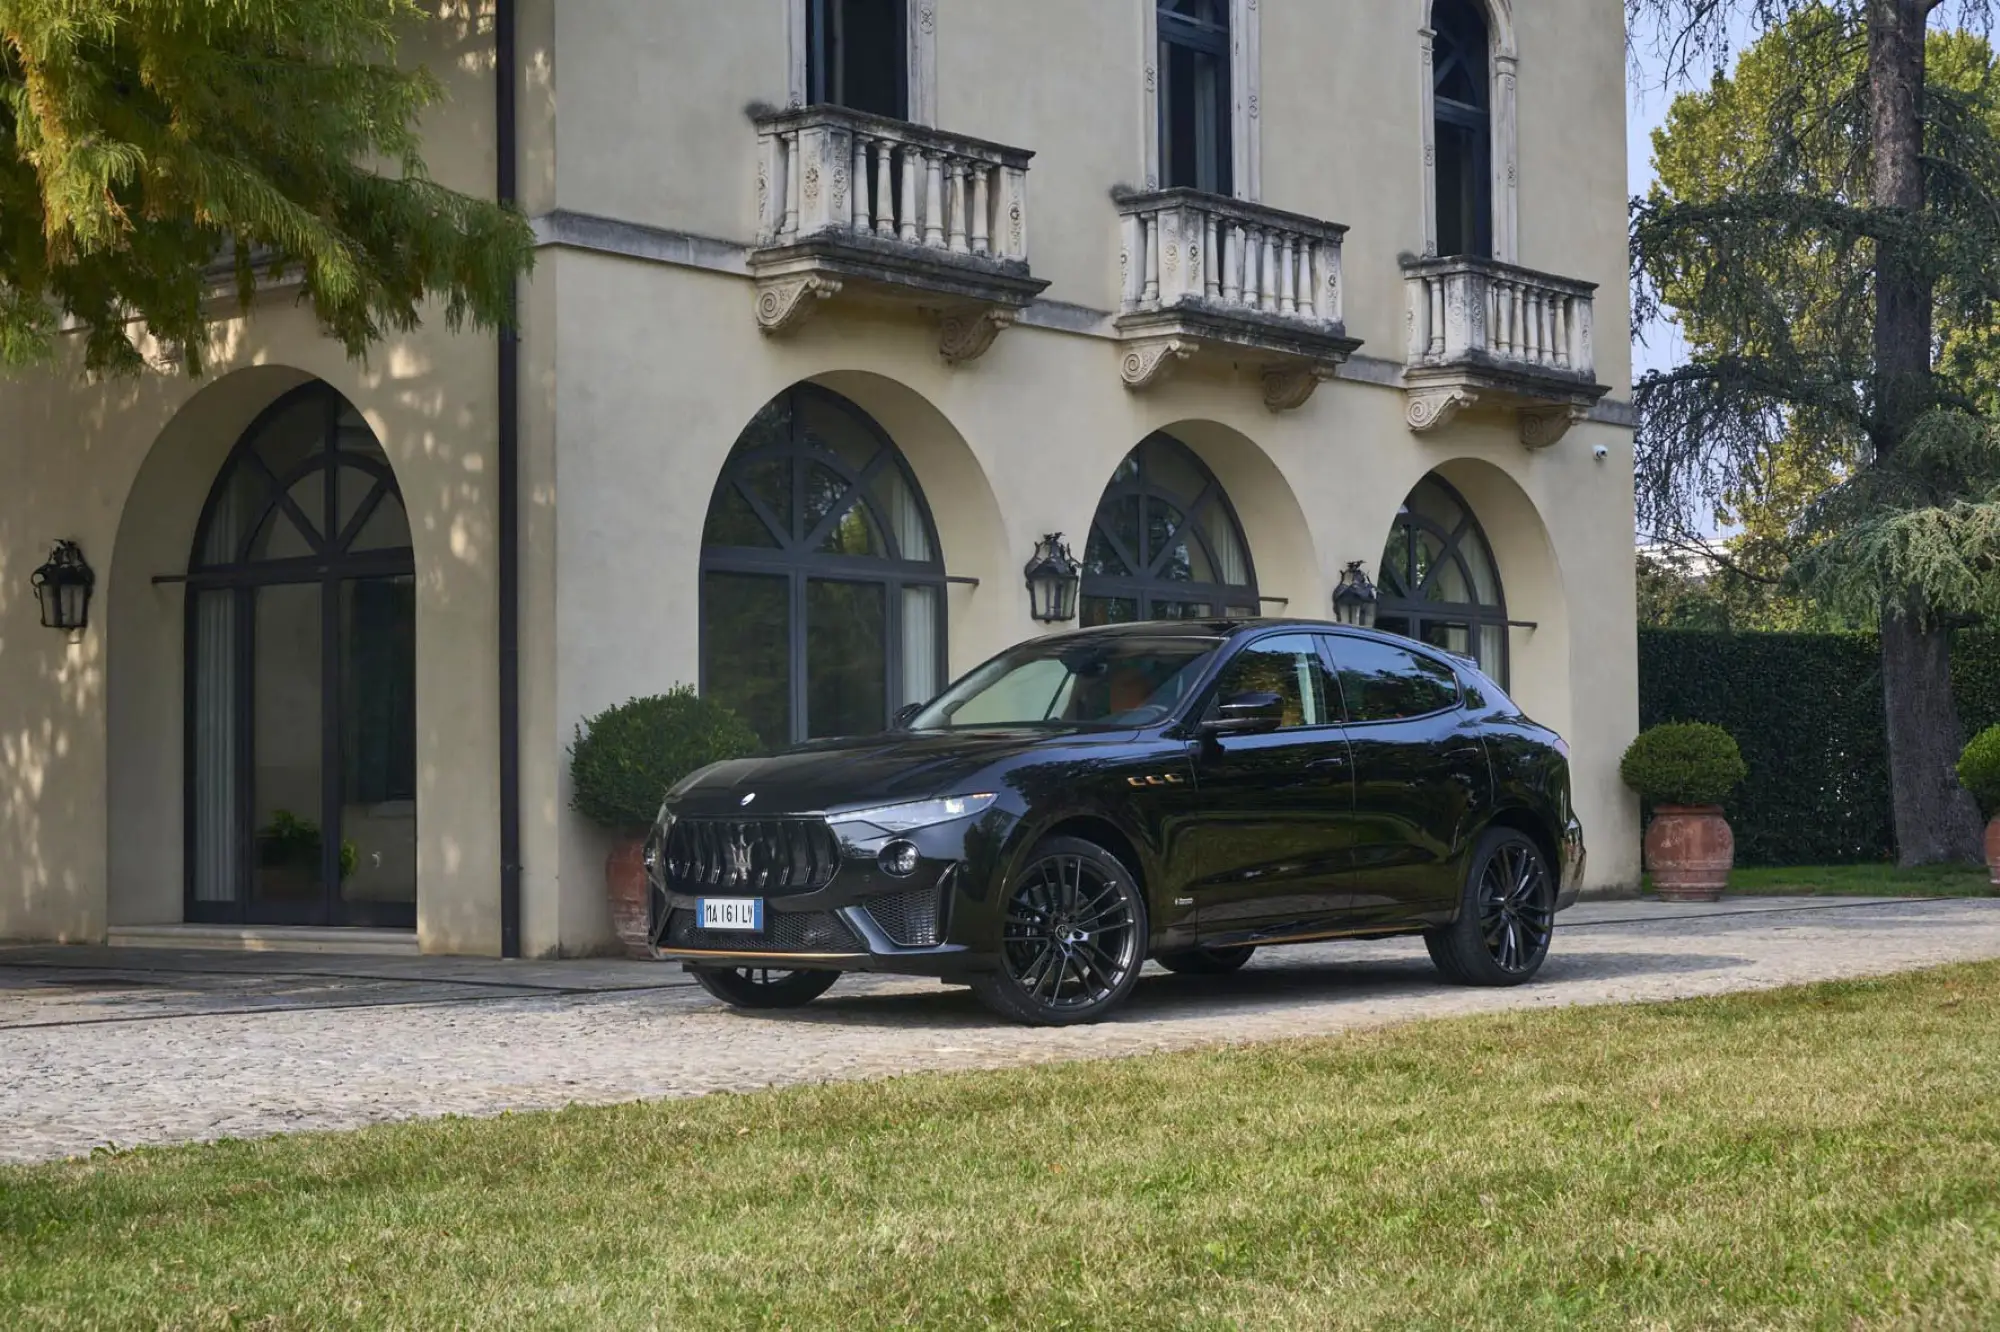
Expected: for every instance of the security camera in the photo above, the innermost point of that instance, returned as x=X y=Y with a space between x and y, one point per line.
x=1600 y=452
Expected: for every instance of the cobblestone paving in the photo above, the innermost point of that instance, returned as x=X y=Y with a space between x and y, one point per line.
x=126 y=1048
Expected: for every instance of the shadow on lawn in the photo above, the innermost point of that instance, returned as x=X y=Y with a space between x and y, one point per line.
x=1270 y=982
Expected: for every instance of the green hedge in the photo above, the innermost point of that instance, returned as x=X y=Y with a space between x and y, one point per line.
x=1807 y=711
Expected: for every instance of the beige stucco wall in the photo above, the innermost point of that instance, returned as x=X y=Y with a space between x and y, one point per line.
x=637 y=377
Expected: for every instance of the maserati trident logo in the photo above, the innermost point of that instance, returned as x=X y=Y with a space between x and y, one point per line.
x=738 y=853
x=747 y=799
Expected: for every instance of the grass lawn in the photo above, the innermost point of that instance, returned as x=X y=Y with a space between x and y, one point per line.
x=1819 y=1157
x=1860 y=881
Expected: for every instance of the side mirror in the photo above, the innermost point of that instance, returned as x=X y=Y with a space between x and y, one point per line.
x=904 y=716
x=1245 y=714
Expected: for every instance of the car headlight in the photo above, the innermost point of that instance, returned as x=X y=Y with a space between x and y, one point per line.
x=915 y=814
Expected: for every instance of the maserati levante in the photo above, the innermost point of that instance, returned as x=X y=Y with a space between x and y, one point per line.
x=1185 y=791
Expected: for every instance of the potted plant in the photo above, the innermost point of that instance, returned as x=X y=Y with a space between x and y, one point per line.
x=1979 y=773
x=288 y=853
x=620 y=766
x=1684 y=769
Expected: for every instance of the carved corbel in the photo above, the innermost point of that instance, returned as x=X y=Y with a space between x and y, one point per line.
x=1544 y=426
x=1430 y=409
x=964 y=335
x=785 y=303
x=1288 y=386
x=1149 y=362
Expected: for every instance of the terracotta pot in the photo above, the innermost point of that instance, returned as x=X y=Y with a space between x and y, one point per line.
x=1993 y=852
x=1689 y=852
x=625 y=881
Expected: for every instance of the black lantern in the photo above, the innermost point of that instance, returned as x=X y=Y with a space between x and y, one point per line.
x=63 y=587
x=1053 y=579
x=1354 y=600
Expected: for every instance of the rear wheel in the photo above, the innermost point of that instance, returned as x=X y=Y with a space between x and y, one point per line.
x=1072 y=939
x=1506 y=916
x=763 y=987
x=1206 y=961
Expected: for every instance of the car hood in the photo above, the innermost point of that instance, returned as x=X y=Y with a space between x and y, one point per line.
x=878 y=769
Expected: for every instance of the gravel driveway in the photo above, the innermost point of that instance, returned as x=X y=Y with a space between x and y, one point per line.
x=130 y=1047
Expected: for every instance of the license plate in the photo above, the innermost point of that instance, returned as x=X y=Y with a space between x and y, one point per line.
x=732 y=913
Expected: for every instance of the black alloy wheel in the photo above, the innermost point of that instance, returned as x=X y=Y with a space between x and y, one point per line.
x=1506 y=917
x=1206 y=961
x=763 y=987
x=1073 y=937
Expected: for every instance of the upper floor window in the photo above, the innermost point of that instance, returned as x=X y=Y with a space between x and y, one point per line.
x=1462 y=97
x=857 y=54
x=1197 y=123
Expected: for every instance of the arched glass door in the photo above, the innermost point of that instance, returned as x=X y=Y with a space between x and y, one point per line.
x=1440 y=582
x=301 y=709
x=1165 y=544
x=822 y=584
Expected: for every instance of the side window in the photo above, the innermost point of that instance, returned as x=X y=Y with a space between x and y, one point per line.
x=1288 y=666
x=1382 y=682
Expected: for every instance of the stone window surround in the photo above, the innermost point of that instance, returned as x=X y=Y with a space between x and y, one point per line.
x=1505 y=61
x=922 y=61
x=1245 y=92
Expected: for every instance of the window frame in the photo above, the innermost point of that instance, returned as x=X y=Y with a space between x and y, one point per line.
x=1502 y=139
x=1412 y=606
x=1245 y=97
x=920 y=23
x=797 y=559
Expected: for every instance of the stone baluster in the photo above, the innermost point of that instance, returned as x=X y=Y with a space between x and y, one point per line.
x=980 y=206
x=1288 y=295
x=1131 y=257
x=913 y=166
x=792 y=172
x=1149 y=296
x=858 y=215
x=1211 y=284
x=934 y=200
x=1232 y=264
x=956 y=209
x=1253 y=267
x=1562 y=333
x=885 y=188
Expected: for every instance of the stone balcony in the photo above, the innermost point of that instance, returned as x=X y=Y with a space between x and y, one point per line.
x=1229 y=280
x=870 y=210
x=1488 y=333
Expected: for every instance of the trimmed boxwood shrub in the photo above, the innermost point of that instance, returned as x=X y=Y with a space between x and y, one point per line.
x=1683 y=763
x=1979 y=770
x=625 y=758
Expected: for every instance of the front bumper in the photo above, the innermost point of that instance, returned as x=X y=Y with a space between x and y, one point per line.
x=862 y=918
x=1573 y=860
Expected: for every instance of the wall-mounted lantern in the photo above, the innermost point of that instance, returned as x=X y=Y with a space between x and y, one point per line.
x=1053 y=578
x=63 y=586
x=1355 y=599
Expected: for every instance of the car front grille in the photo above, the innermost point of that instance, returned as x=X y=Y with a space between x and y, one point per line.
x=911 y=919
x=762 y=857
x=783 y=932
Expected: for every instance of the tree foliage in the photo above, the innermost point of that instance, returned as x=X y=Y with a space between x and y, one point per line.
x=143 y=141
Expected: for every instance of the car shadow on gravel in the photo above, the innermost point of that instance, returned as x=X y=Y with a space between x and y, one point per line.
x=1265 y=985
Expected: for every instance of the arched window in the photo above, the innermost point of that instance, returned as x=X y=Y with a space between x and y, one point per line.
x=1440 y=583
x=1165 y=544
x=1462 y=96
x=822 y=583
x=301 y=711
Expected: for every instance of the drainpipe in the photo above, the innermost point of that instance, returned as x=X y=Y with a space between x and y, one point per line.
x=506 y=149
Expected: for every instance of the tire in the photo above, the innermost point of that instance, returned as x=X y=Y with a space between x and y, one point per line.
x=1206 y=961
x=1506 y=915
x=763 y=987
x=1073 y=937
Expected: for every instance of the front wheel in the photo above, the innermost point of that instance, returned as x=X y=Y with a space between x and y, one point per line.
x=763 y=987
x=1206 y=961
x=1073 y=937
x=1506 y=916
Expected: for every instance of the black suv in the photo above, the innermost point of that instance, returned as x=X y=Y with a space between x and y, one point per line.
x=1187 y=791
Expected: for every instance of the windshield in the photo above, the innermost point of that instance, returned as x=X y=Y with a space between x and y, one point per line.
x=1109 y=680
